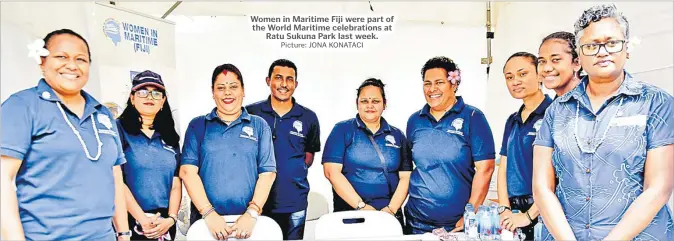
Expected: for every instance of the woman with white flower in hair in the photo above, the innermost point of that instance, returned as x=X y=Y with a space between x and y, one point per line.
x=610 y=143
x=61 y=147
x=452 y=149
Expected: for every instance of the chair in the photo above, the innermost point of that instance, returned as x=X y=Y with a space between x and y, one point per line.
x=370 y=224
x=265 y=229
x=318 y=206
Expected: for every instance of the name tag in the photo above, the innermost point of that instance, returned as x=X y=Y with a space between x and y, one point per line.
x=637 y=120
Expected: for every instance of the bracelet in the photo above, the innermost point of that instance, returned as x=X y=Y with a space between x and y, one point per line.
x=205 y=207
x=390 y=209
x=175 y=221
x=207 y=212
x=259 y=210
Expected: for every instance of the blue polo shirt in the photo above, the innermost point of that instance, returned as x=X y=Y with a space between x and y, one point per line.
x=349 y=145
x=517 y=146
x=294 y=134
x=61 y=193
x=444 y=153
x=230 y=158
x=600 y=175
x=150 y=167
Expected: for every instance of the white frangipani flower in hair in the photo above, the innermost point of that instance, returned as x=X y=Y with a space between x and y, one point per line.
x=36 y=50
x=633 y=42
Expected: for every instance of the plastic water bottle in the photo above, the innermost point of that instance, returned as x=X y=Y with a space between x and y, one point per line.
x=470 y=222
x=495 y=225
x=518 y=234
x=484 y=223
x=538 y=228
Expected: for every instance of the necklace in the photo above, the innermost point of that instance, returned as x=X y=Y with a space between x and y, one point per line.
x=594 y=148
x=79 y=137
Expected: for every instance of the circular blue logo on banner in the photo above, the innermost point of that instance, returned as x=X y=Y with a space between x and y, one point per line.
x=111 y=30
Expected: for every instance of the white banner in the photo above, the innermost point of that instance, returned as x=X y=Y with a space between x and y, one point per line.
x=127 y=42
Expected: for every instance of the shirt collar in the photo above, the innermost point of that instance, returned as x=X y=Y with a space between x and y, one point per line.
x=296 y=110
x=629 y=86
x=457 y=108
x=214 y=115
x=47 y=93
x=384 y=126
x=540 y=110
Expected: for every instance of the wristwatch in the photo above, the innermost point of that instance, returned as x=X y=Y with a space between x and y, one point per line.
x=252 y=213
x=127 y=233
x=502 y=209
x=360 y=205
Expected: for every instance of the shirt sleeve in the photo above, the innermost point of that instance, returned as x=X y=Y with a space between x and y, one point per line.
x=544 y=135
x=314 y=137
x=16 y=121
x=506 y=135
x=481 y=139
x=178 y=158
x=335 y=146
x=190 y=153
x=660 y=122
x=266 y=161
x=405 y=154
x=120 y=151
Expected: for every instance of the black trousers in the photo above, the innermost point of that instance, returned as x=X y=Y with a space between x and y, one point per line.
x=164 y=214
x=523 y=203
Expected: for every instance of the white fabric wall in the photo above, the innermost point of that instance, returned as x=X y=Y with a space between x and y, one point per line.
x=327 y=80
x=522 y=25
x=22 y=23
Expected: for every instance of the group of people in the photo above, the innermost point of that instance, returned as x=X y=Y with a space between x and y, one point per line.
x=597 y=159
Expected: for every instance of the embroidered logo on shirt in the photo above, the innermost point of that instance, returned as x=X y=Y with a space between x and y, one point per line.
x=105 y=121
x=298 y=129
x=537 y=126
x=247 y=132
x=167 y=147
x=391 y=141
x=457 y=124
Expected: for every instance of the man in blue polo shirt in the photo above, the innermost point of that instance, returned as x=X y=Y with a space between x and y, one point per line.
x=296 y=136
x=610 y=143
x=453 y=150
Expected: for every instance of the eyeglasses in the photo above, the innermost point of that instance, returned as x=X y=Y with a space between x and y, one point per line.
x=612 y=46
x=157 y=95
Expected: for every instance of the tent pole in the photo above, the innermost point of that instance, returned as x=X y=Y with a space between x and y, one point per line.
x=490 y=36
x=175 y=5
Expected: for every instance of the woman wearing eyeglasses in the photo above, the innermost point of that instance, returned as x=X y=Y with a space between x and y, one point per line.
x=61 y=148
x=610 y=143
x=150 y=144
